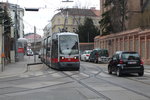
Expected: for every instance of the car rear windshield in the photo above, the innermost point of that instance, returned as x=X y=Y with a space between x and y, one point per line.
x=87 y=52
x=130 y=56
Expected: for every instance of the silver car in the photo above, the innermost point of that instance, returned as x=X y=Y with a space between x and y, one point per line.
x=85 y=55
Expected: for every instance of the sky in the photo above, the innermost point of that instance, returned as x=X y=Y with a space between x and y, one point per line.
x=47 y=9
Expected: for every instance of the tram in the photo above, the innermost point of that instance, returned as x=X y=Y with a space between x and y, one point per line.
x=61 y=51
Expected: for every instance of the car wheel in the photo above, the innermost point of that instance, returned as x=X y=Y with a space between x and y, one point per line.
x=141 y=74
x=118 y=72
x=109 y=70
x=84 y=59
x=89 y=60
x=95 y=61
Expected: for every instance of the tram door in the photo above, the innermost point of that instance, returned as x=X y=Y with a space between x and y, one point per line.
x=54 y=52
x=48 y=51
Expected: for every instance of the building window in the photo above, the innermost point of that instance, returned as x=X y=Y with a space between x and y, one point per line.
x=58 y=21
x=74 y=29
x=141 y=3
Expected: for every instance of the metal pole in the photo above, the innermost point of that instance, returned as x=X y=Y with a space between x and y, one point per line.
x=16 y=33
x=34 y=44
x=3 y=54
x=66 y=17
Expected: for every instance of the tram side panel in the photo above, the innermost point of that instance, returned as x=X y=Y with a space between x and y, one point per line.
x=48 y=52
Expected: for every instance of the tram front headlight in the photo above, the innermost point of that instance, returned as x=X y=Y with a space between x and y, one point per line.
x=62 y=58
x=76 y=57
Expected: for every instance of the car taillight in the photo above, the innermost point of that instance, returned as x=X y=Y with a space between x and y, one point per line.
x=121 y=62
x=141 y=62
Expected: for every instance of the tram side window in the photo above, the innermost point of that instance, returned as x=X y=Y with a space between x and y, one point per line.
x=48 y=46
x=45 y=48
x=54 y=48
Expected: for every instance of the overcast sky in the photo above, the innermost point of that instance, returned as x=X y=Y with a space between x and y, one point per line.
x=47 y=10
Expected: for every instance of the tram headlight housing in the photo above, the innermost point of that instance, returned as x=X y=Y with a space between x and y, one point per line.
x=76 y=57
x=62 y=58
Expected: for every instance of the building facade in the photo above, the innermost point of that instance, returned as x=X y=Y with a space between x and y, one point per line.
x=13 y=31
x=136 y=37
x=17 y=14
x=33 y=41
x=70 y=18
x=48 y=29
x=137 y=13
x=134 y=40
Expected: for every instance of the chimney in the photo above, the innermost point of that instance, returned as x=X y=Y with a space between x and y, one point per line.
x=93 y=8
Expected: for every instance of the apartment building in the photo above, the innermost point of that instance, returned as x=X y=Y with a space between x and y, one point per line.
x=70 y=18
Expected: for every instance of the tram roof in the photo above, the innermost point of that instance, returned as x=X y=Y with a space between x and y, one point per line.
x=66 y=33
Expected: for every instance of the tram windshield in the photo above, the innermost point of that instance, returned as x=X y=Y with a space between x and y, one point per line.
x=68 y=44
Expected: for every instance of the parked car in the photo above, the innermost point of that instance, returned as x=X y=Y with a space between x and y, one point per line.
x=99 y=55
x=29 y=52
x=85 y=55
x=126 y=62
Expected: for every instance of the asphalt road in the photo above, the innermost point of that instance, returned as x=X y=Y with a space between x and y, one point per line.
x=92 y=82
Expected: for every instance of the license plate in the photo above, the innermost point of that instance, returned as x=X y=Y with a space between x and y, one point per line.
x=131 y=62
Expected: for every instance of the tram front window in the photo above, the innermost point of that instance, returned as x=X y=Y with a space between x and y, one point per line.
x=68 y=45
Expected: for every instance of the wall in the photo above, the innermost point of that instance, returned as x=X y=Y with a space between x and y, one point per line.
x=0 y=43
x=132 y=40
x=86 y=46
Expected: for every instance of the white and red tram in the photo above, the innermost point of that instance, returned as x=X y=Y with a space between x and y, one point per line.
x=61 y=51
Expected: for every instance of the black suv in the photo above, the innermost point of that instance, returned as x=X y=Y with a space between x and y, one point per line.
x=126 y=62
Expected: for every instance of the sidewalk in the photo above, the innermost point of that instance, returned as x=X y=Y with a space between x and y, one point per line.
x=16 y=68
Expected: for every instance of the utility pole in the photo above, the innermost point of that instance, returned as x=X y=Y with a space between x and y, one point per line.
x=66 y=17
x=16 y=32
x=3 y=51
x=34 y=44
x=2 y=47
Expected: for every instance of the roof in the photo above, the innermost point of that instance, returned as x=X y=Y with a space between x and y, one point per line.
x=80 y=12
x=66 y=33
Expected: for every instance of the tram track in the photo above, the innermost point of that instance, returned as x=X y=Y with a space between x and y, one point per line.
x=118 y=85
x=27 y=90
x=129 y=89
x=87 y=87
x=42 y=87
x=80 y=81
x=45 y=72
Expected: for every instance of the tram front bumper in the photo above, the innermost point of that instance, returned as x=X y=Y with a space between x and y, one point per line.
x=69 y=65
